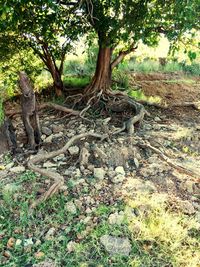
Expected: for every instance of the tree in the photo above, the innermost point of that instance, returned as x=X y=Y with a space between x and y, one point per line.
x=127 y=22
x=44 y=26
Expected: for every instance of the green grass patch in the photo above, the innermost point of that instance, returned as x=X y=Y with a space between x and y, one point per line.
x=165 y=237
x=159 y=237
x=76 y=82
x=139 y=95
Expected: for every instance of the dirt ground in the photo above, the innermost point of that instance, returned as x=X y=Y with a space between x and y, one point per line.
x=121 y=164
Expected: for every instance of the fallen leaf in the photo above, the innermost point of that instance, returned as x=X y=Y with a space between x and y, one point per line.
x=39 y=255
x=10 y=243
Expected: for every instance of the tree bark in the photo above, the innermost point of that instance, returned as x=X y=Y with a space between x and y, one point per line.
x=50 y=63
x=7 y=137
x=57 y=81
x=101 y=81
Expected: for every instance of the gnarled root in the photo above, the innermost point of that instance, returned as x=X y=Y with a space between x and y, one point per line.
x=47 y=105
x=124 y=102
x=58 y=179
x=179 y=168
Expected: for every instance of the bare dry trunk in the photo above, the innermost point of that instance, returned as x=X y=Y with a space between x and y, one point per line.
x=7 y=137
x=57 y=81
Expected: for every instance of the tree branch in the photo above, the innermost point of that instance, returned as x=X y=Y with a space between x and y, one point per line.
x=122 y=55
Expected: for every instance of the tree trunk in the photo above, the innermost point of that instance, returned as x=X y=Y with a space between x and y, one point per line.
x=101 y=81
x=57 y=81
x=7 y=137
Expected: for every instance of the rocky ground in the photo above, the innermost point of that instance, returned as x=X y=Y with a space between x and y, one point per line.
x=101 y=177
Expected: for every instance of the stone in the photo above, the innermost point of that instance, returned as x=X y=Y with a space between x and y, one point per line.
x=71 y=246
x=118 y=179
x=59 y=157
x=28 y=242
x=73 y=150
x=49 y=139
x=134 y=186
x=70 y=207
x=84 y=156
x=137 y=164
x=45 y=130
x=99 y=173
x=57 y=128
x=116 y=245
x=120 y=170
x=88 y=211
x=49 y=235
x=116 y=218
x=49 y=164
x=157 y=119
x=58 y=135
x=9 y=165
x=186 y=207
x=18 y=169
x=18 y=242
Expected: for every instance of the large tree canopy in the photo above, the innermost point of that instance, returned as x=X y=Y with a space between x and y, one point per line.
x=127 y=22
x=44 y=26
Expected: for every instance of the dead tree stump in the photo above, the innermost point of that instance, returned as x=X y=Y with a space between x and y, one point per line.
x=29 y=111
x=7 y=137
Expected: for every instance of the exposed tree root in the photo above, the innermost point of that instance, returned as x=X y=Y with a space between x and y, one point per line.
x=194 y=105
x=122 y=103
x=47 y=105
x=179 y=168
x=58 y=179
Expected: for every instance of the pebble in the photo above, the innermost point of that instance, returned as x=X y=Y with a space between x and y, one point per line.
x=116 y=245
x=70 y=207
x=99 y=173
x=18 y=169
x=45 y=130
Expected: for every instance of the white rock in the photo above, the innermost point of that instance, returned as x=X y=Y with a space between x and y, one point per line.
x=73 y=150
x=49 y=164
x=71 y=246
x=70 y=207
x=50 y=233
x=99 y=173
x=118 y=179
x=18 y=242
x=45 y=130
x=57 y=128
x=116 y=245
x=9 y=166
x=116 y=218
x=17 y=169
x=120 y=170
x=28 y=242
x=49 y=139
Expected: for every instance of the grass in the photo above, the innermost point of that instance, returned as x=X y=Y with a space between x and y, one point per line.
x=139 y=95
x=159 y=237
x=76 y=82
x=164 y=234
x=148 y=66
